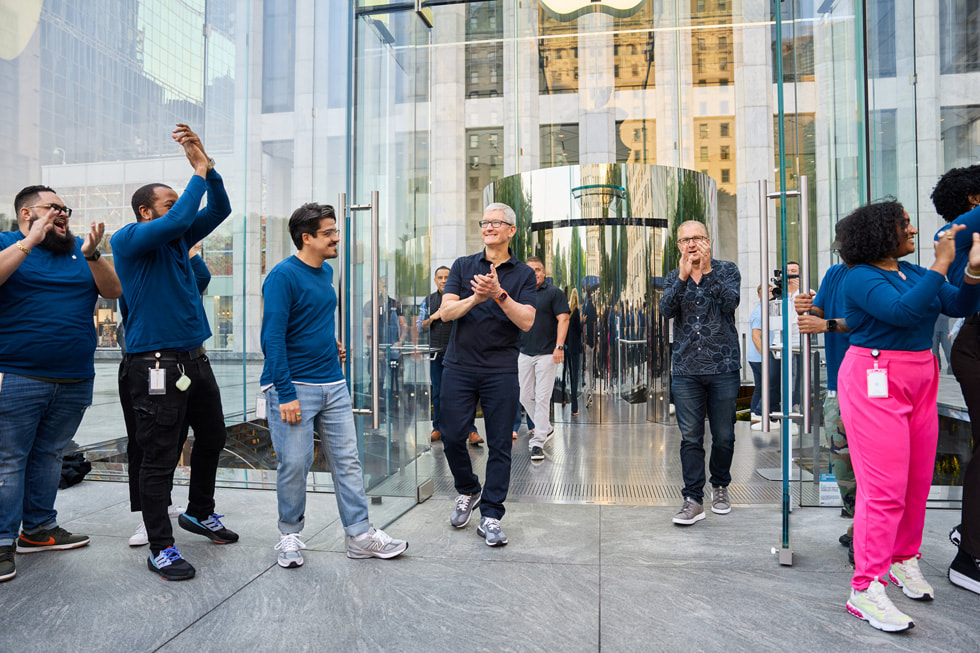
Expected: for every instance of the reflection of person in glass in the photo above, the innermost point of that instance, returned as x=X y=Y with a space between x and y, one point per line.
x=573 y=351
x=392 y=330
x=701 y=295
x=481 y=364
x=888 y=383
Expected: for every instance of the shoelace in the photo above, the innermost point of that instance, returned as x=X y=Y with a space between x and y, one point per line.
x=213 y=522
x=492 y=524
x=721 y=494
x=911 y=569
x=167 y=556
x=290 y=543
x=462 y=502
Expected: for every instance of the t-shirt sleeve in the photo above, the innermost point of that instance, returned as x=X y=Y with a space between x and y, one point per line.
x=559 y=304
x=454 y=283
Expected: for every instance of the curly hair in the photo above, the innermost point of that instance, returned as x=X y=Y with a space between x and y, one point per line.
x=870 y=232
x=951 y=196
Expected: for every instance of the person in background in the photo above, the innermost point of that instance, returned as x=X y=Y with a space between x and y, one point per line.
x=573 y=349
x=887 y=387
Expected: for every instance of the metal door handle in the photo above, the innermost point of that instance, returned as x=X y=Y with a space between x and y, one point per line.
x=375 y=410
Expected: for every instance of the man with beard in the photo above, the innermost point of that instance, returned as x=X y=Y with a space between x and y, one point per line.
x=166 y=373
x=49 y=282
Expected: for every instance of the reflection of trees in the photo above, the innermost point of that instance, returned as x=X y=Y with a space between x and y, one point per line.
x=516 y=197
x=576 y=259
x=409 y=275
x=690 y=205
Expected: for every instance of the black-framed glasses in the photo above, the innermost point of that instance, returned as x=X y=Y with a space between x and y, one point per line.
x=496 y=224
x=692 y=239
x=57 y=207
x=329 y=233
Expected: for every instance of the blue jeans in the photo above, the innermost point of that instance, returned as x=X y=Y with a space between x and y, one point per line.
x=37 y=421
x=325 y=409
x=774 y=384
x=499 y=394
x=520 y=414
x=695 y=397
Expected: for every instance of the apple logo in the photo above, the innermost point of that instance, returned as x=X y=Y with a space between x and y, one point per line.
x=565 y=10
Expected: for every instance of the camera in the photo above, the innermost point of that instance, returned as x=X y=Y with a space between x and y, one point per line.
x=777 y=283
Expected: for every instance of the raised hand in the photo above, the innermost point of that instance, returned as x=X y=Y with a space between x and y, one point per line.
x=193 y=148
x=804 y=302
x=93 y=238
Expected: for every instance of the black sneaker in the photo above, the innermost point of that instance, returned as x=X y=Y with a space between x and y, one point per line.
x=845 y=540
x=965 y=572
x=7 y=568
x=170 y=565
x=537 y=453
x=53 y=539
x=211 y=528
x=850 y=552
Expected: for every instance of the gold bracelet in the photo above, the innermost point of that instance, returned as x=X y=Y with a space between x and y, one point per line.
x=22 y=248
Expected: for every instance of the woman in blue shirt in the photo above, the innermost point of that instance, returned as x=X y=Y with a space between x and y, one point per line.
x=887 y=389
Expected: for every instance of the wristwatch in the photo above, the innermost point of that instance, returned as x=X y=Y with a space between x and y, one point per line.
x=501 y=297
x=94 y=257
x=562 y=347
x=831 y=325
x=210 y=164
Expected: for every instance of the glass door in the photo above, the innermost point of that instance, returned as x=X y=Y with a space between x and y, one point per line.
x=385 y=266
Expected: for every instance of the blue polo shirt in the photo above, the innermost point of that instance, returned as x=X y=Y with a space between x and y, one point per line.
x=46 y=315
x=484 y=340
x=964 y=241
x=830 y=299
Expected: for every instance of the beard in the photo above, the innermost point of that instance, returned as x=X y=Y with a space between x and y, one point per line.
x=59 y=244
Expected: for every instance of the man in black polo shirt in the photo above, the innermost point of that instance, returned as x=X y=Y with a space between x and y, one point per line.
x=542 y=350
x=490 y=297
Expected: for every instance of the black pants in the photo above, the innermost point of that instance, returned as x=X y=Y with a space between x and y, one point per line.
x=158 y=424
x=966 y=366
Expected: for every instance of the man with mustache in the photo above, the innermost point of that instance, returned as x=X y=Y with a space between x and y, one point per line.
x=166 y=371
x=49 y=283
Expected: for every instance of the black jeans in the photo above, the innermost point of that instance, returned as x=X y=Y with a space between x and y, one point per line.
x=965 y=360
x=158 y=424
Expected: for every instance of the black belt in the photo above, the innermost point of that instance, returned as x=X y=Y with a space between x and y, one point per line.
x=169 y=355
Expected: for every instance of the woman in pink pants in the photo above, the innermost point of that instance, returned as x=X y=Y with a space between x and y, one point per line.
x=887 y=389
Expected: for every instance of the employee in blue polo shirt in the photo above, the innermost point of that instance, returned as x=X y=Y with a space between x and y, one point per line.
x=489 y=297
x=167 y=374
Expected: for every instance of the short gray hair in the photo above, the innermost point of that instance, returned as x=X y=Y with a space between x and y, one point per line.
x=688 y=223
x=508 y=212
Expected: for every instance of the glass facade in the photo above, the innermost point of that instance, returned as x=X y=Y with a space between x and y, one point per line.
x=307 y=99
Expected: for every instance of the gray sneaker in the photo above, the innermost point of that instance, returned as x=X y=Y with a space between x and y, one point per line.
x=690 y=512
x=719 y=501
x=375 y=544
x=465 y=503
x=288 y=548
x=489 y=528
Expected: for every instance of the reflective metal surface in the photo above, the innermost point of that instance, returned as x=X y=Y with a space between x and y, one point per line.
x=606 y=235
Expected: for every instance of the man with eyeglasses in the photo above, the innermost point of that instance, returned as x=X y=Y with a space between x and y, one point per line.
x=701 y=295
x=306 y=392
x=50 y=280
x=489 y=296
x=165 y=370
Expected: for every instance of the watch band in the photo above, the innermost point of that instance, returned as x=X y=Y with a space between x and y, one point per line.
x=501 y=297
x=94 y=257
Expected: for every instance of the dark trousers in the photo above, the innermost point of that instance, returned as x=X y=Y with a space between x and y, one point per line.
x=774 y=384
x=499 y=394
x=435 y=374
x=574 y=363
x=966 y=367
x=695 y=397
x=158 y=424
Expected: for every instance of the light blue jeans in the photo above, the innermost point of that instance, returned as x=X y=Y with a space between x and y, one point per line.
x=325 y=409
x=37 y=421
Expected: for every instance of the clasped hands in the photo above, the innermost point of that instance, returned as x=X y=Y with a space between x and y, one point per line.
x=687 y=265
x=485 y=286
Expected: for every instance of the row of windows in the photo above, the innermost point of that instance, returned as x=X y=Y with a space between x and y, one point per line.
x=723 y=129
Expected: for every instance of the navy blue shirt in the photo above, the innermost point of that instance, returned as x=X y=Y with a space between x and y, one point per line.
x=964 y=241
x=543 y=336
x=830 y=299
x=705 y=337
x=885 y=311
x=298 y=327
x=485 y=340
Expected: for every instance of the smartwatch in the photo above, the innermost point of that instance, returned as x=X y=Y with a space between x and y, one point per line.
x=95 y=256
x=210 y=164
x=831 y=325
x=501 y=297
x=562 y=347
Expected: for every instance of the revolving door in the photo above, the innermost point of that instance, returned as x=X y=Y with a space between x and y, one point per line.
x=605 y=235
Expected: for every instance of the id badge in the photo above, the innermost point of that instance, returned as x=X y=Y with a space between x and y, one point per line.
x=878 y=384
x=260 y=406
x=158 y=381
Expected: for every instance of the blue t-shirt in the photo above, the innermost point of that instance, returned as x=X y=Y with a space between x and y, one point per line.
x=485 y=340
x=887 y=312
x=543 y=336
x=46 y=315
x=830 y=299
x=964 y=241
x=298 y=327
x=753 y=355
x=158 y=280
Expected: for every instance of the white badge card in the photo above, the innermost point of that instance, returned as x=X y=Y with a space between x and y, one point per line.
x=878 y=384
x=260 y=406
x=158 y=381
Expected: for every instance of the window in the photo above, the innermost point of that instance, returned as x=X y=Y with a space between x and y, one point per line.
x=724 y=152
x=726 y=176
x=723 y=62
x=474 y=141
x=704 y=152
x=724 y=129
x=703 y=130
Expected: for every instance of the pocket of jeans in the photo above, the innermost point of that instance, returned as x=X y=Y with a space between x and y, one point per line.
x=162 y=415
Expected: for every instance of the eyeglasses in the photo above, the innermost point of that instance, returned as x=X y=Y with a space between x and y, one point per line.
x=57 y=207
x=692 y=239
x=496 y=224
x=329 y=233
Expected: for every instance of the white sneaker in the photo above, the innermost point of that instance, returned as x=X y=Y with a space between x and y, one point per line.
x=874 y=606
x=175 y=511
x=288 y=548
x=757 y=426
x=755 y=417
x=139 y=538
x=908 y=576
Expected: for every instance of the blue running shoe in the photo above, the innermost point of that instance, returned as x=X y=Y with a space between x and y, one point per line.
x=169 y=565
x=211 y=528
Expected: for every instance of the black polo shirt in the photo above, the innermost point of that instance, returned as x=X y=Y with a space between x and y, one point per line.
x=484 y=341
x=543 y=336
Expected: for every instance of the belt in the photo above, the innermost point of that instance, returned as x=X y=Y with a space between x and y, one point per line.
x=169 y=355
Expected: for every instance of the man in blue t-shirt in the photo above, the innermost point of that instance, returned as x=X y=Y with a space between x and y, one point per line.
x=49 y=283
x=489 y=298
x=306 y=391
x=166 y=373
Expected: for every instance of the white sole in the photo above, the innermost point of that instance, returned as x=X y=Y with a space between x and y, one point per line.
x=964 y=581
x=888 y=628
x=719 y=511
x=688 y=522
